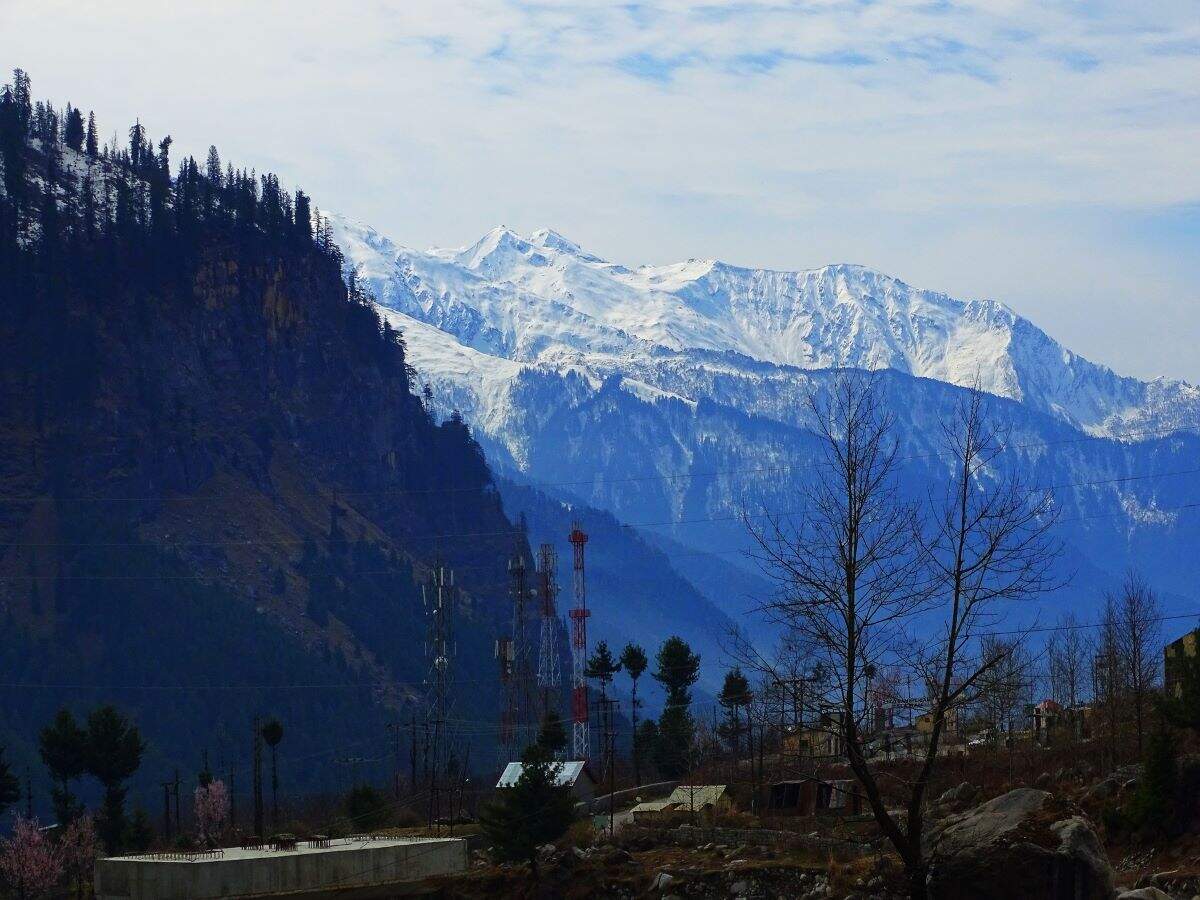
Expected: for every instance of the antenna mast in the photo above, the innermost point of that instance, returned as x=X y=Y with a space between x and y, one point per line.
x=549 y=676
x=522 y=670
x=440 y=650
x=508 y=744
x=579 y=616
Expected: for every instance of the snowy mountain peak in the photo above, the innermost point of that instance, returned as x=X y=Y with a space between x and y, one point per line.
x=542 y=301
x=492 y=247
x=553 y=240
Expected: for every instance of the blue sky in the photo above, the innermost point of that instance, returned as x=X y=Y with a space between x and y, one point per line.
x=1041 y=153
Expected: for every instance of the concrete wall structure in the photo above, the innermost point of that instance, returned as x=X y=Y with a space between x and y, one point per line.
x=308 y=870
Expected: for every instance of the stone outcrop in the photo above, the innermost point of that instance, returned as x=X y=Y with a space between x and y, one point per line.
x=1025 y=843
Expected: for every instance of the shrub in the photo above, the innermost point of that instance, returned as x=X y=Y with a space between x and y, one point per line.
x=1154 y=807
x=368 y=808
x=407 y=817
x=532 y=812
x=581 y=834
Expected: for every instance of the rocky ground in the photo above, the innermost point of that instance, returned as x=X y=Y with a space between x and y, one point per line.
x=1030 y=842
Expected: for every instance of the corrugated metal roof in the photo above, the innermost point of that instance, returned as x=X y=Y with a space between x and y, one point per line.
x=565 y=773
x=696 y=796
x=653 y=806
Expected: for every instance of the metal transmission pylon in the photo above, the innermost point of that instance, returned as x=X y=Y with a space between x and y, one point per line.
x=508 y=711
x=438 y=598
x=524 y=720
x=549 y=675
x=579 y=616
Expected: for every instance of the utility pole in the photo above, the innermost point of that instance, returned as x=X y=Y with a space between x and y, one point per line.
x=394 y=728
x=607 y=705
x=438 y=600
x=232 y=798
x=796 y=685
x=353 y=764
x=257 y=747
x=175 y=788
x=412 y=753
x=166 y=786
x=580 y=743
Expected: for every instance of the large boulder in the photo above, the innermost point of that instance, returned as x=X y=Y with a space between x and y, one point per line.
x=963 y=793
x=1025 y=843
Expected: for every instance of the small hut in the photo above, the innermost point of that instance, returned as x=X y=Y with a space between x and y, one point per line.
x=576 y=775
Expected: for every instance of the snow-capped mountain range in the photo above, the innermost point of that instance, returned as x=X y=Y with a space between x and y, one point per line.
x=677 y=392
x=542 y=300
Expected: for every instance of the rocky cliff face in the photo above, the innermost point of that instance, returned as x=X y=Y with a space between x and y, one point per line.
x=219 y=496
x=675 y=397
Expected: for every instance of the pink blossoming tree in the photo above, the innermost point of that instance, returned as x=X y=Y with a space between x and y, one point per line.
x=211 y=803
x=30 y=862
x=79 y=848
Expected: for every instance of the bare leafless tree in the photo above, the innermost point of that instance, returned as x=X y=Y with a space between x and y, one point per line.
x=1068 y=653
x=1108 y=677
x=1004 y=688
x=1138 y=630
x=859 y=567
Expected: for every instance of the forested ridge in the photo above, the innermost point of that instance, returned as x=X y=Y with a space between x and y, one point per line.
x=219 y=491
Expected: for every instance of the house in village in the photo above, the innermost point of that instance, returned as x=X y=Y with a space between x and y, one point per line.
x=1173 y=656
x=815 y=796
x=686 y=802
x=576 y=775
x=1049 y=718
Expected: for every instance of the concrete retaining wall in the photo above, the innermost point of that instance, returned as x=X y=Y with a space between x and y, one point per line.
x=265 y=873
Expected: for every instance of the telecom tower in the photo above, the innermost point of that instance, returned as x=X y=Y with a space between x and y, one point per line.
x=508 y=713
x=522 y=675
x=437 y=597
x=548 y=675
x=579 y=616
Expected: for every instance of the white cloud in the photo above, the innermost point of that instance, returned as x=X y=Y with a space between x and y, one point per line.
x=955 y=144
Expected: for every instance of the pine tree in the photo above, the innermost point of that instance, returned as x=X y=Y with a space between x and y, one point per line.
x=532 y=812
x=63 y=746
x=272 y=732
x=212 y=167
x=10 y=787
x=633 y=658
x=645 y=738
x=93 y=142
x=137 y=146
x=673 y=747
x=164 y=156
x=114 y=752
x=602 y=666
x=22 y=93
x=677 y=669
x=1154 y=805
x=303 y=221
x=735 y=694
x=553 y=734
x=73 y=133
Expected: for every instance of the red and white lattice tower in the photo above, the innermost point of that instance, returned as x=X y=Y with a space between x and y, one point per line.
x=549 y=677
x=579 y=616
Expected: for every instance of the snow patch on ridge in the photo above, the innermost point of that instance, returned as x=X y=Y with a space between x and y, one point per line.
x=541 y=301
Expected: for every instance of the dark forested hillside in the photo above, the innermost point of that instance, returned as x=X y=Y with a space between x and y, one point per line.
x=218 y=493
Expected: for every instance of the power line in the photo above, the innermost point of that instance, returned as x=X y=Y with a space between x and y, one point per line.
x=297 y=542
x=669 y=556
x=602 y=478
